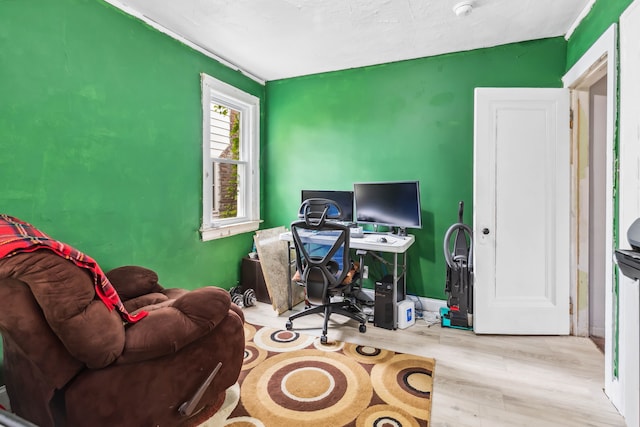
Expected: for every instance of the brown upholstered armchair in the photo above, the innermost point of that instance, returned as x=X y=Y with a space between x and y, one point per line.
x=70 y=361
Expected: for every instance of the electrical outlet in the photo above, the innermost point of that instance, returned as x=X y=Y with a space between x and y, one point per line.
x=365 y=272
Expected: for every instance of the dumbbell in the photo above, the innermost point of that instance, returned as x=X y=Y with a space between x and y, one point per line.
x=242 y=299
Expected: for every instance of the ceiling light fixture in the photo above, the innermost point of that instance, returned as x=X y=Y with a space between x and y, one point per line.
x=463 y=8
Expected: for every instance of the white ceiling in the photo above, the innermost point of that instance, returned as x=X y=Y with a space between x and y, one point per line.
x=276 y=39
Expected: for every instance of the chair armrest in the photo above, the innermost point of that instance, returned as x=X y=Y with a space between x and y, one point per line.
x=132 y=281
x=168 y=329
x=145 y=302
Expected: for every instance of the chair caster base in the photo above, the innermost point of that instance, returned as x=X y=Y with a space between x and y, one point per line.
x=289 y=325
x=362 y=328
x=323 y=339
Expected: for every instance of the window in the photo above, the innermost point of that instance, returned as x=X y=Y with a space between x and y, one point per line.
x=230 y=151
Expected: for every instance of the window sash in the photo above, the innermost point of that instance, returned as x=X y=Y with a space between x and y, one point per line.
x=248 y=201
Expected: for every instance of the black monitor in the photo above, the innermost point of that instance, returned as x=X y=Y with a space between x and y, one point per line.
x=344 y=199
x=392 y=204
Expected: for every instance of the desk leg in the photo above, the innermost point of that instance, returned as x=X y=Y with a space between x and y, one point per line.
x=289 y=285
x=395 y=291
x=396 y=276
x=404 y=275
x=399 y=272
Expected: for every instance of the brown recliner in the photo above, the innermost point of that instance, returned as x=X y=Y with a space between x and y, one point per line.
x=70 y=361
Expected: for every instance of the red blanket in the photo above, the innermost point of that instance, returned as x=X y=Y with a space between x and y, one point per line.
x=17 y=236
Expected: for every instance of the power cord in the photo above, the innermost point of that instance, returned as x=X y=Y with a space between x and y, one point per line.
x=418 y=306
x=429 y=317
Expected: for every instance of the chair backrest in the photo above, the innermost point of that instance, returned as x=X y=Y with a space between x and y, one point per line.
x=316 y=262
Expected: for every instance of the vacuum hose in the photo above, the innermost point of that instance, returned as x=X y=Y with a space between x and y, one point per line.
x=460 y=227
x=449 y=257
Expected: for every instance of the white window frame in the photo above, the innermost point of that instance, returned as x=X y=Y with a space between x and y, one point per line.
x=214 y=90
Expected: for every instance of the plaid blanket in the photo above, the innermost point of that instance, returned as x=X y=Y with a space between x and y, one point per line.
x=17 y=236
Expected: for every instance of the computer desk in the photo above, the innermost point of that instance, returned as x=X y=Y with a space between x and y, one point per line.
x=396 y=245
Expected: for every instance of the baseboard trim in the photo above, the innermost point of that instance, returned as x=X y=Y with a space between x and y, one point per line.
x=424 y=303
x=429 y=304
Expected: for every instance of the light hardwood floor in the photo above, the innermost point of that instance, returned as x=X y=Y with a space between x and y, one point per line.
x=487 y=380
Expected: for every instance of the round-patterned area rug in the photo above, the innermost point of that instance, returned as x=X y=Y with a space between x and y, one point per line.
x=290 y=379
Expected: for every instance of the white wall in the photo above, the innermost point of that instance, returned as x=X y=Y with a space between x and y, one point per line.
x=629 y=208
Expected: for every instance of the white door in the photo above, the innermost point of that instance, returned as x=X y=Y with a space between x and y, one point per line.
x=521 y=211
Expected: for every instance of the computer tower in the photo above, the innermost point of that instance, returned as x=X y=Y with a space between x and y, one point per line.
x=383 y=306
x=401 y=291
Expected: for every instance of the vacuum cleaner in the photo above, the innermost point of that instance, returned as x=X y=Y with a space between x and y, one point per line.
x=458 y=251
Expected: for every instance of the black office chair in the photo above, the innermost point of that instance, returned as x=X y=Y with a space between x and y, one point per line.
x=321 y=274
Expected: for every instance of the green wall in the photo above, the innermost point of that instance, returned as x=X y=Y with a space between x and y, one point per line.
x=100 y=134
x=400 y=121
x=100 y=138
x=600 y=17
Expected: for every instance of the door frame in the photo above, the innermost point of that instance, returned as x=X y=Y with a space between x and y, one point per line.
x=629 y=209
x=602 y=53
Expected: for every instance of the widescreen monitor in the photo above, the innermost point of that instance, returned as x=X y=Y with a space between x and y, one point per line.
x=344 y=199
x=392 y=204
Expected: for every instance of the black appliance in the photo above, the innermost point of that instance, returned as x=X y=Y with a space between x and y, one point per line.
x=629 y=259
x=383 y=307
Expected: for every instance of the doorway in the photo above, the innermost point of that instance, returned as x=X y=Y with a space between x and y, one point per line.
x=589 y=107
x=594 y=302
x=597 y=202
